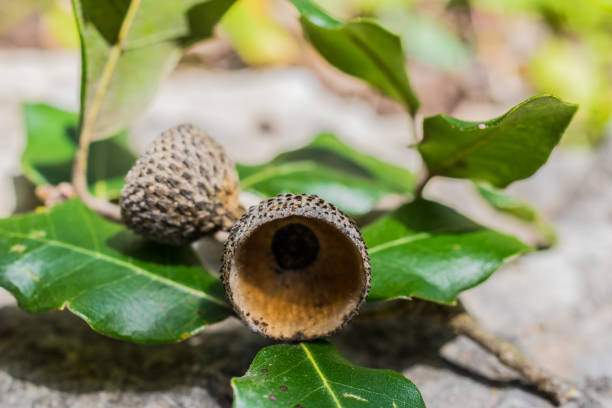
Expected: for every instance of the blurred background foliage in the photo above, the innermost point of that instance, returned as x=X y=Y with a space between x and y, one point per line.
x=491 y=50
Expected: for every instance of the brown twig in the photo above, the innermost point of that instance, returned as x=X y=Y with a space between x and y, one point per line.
x=52 y=195
x=427 y=315
x=557 y=389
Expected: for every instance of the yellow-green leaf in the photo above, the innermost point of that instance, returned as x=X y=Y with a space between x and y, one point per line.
x=129 y=47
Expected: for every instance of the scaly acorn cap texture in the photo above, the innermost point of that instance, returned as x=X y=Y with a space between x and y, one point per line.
x=295 y=268
x=182 y=188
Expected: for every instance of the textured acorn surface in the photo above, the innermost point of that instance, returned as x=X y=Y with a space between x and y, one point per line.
x=295 y=268
x=182 y=188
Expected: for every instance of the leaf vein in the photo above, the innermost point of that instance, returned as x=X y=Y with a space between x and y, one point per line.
x=320 y=374
x=124 y=264
x=51 y=225
x=289 y=369
x=94 y=239
x=308 y=394
x=273 y=171
x=384 y=69
x=48 y=283
x=467 y=150
x=398 y=242
x=97 y=287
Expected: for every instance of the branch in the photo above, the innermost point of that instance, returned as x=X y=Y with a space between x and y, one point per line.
x=417 y=135
x=79 y=171
x=79 y=182
x=557 y=389
x=429 y=314
x=424 y=178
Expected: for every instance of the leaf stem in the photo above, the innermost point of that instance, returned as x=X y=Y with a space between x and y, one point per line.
x=557 y=389
x=417 y=135
x=79 y=170
x=424 y=178
x=416 y=122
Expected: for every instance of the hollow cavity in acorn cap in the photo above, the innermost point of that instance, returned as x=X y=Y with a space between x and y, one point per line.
x=294 y=246
x=297 y=277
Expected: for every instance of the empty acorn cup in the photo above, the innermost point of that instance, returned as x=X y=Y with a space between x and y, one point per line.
x=182 y=188
x=295 y=268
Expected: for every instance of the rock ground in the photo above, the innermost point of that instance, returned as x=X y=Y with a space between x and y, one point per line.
x=555 y=305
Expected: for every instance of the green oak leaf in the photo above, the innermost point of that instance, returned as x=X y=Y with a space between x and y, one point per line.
x=429 y=251
x=519 y=209
x=129 y=47
x=351 y=180
x=51 y=146
x=509 y=148
x=361 y=48
x=121 y=285
x=308 y=375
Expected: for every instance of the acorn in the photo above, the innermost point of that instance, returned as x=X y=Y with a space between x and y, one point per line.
x=295 y=268
x=182 y=188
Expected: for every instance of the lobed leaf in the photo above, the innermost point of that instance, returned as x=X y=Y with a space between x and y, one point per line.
x=509 y=148
x=337 y=173
x=120 y=284
x=308 y=375
x=361 y=48
x=129 y=47
x=51 y=145
x=429 y=251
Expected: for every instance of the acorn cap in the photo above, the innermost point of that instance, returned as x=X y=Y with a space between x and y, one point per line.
x=182 y=188
x=295 y=268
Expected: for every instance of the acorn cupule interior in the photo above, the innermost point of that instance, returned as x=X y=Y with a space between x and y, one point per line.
x=297 y=277
x=294 y=246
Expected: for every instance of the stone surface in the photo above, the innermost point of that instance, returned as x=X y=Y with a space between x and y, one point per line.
x=555 y=305
x=55 y=360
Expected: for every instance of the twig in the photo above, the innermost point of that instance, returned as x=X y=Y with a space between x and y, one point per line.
x=79 y=182
x=429 y=315
x=557 y=389
x=417 y=127
x=52 y=195
x=424 y=178
x=79 y=171
x=417 y=135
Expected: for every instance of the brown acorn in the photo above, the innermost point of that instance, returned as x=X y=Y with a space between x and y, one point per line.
x=182 y=188
x=295 y=268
